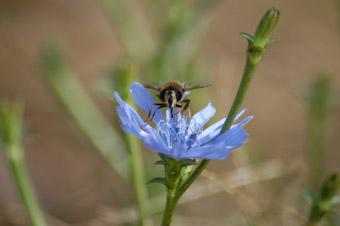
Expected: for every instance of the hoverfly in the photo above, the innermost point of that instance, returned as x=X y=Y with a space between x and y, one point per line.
x=172 y=95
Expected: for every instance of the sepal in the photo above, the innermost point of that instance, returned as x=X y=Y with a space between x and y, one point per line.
x=189 y=162
x=247 y=36
x=158 y=180
x=160 y=162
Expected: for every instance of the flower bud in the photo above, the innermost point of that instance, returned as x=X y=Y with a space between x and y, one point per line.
x=265 y=28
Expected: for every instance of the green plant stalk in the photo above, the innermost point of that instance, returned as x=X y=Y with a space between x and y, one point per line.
x=138 y=179
x=24 y=186
x=174 y=171
x=256 y=47
x=170 y=206
x=11 y=128
x=318 y=114
x=243 y=87
x=138 y=176
x=122 y=76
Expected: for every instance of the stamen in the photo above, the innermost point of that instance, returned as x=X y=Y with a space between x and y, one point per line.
x=179 y=131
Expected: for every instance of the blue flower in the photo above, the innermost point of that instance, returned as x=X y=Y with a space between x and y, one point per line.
x=177 y=136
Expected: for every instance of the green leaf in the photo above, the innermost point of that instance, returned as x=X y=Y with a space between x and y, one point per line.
x=330 y=187
x=160 y=162
x=158 y=180
x=189 y=162
x=247 y=36
x=86 y=114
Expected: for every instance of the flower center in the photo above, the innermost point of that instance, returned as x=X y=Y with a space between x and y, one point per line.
x=179 y=132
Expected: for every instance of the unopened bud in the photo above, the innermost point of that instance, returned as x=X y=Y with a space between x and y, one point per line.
x=265 y=28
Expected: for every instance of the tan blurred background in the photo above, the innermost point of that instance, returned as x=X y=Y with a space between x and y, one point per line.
x=77 y=187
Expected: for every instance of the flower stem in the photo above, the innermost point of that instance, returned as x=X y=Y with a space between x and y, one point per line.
x=126 y=74
x=174 y=174
x=138 y=180
x=244 y=84
x=11 y=128
x=25 y=188
x=242 y=90
x=256 y=47
x=171 y=202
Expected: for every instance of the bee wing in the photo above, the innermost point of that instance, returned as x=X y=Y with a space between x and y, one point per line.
x=154 y=86
x=188 y=87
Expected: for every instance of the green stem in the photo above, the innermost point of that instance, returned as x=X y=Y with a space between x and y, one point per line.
x=85 y=113
x=138 y=179
x=174 y=172
x=256 y=47
x=11 y=131
x=242 y=90
x=25 y=188
x=243 y=87
x=124 y=75
x=171 y=203
x=192 y=178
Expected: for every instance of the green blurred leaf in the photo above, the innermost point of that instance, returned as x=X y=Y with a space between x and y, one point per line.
x=84 y=111
x=182 y=25
x=318 y=101
x=323 y=202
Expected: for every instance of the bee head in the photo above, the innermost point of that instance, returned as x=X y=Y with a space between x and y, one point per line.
x=170 y=97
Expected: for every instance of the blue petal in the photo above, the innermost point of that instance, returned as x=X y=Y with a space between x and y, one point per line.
x=155 y=142
x=131 y=121
x=210 y=132
x=202 y=117
x=221 y=147
x=145 y=101
x=215 y=128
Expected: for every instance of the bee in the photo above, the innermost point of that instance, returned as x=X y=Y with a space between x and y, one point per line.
x=172 y=95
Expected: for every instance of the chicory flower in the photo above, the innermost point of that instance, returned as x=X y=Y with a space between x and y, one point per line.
x=178 y=136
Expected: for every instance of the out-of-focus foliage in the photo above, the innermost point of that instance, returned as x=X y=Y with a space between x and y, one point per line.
x=323 y=202
x=85 y=113
x=318 y=109
x=11 y=129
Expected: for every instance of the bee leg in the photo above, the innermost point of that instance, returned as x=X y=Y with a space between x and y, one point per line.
x=184 y=105
x=157 y=104
x=150 y=117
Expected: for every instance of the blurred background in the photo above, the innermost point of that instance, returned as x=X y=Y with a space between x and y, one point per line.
x=63 y=59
